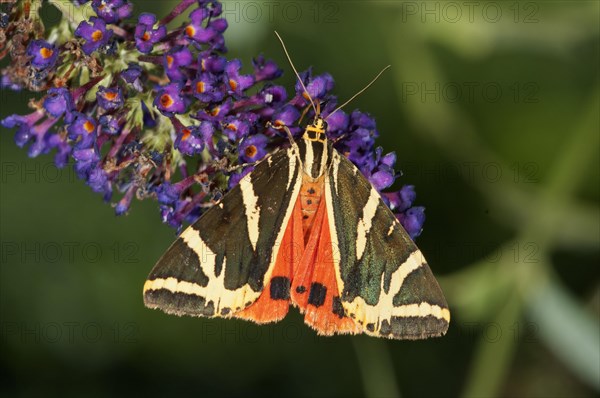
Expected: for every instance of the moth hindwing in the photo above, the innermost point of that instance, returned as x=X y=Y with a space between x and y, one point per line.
x=306 y=228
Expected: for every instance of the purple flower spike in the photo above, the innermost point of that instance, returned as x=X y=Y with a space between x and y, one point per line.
x=412 y=220
x=317 y=86
x=18 y=120
x=98 y=180
x=381 y=169
x=189 y=141
x=59 y=101
x=287 y=116
x=212 y=63
x=236 y=82
x=401 y=200
x=109 y=98
x=382 y=179
x=238 y=127
x=175 y=60
x=6 y=82
x=63 y=149
x=25 y=125
x=82 y=129
x=125 y=202
x=39 y=132
x=43 y=54
x=145 y=34
x=253 y=148
x=273 y=95
x=169 y=100
x=207 y=88
x=85 y=160
x=265 y=69
x=112 y=11
x=215 y=113
x=196 y=32
x=95 y=34
x=157 y=90
x=109 y=124
x=235 y=179
x=132 y=75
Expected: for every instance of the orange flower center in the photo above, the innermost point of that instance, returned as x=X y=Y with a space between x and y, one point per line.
x=146 y=36
x=215 y=111
x=97 y=35
x=169 y=61
x=232 y=127
x=186 y=134
x=109 y=95
x=251 y=151
x=190 y=31
x=46 y=52
x=166 y=100
x=200 y=87
x=88 y=126
x=232 y=84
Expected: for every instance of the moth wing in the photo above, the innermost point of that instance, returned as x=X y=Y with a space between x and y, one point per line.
x=219 y=265
x=385 y=283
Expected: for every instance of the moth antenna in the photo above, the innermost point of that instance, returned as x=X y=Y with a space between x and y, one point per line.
x=359 y=93
x=296 y=72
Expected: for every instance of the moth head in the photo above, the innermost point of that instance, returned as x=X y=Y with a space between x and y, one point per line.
x=316 y=130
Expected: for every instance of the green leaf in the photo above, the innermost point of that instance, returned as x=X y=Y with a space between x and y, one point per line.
x=570 y=331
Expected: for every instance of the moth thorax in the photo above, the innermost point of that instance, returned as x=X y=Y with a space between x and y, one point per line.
x=315 y=157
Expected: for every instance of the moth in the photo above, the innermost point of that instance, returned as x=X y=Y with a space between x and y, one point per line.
x=305 y=228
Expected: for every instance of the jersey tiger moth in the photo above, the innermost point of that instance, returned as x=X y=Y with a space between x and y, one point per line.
x=304 y=227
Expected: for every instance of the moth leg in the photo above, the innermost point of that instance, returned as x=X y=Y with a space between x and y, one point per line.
x=241 y=166
x=284 y=128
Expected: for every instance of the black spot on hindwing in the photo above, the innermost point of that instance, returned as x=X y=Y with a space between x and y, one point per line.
x=280 y=288
x=317 y=294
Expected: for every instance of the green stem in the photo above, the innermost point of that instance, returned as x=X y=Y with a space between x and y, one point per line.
x=494 y=353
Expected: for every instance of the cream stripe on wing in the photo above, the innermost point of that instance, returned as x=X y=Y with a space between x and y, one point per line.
x=215 y=290
x=309 y=158
x=365 y=223
x=422 y=310
x=335 y=169
x=292 y=155
x=324 y=159
x=251 y=209
x=384 y=309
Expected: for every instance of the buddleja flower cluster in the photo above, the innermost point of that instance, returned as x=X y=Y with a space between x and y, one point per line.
x=142 y=110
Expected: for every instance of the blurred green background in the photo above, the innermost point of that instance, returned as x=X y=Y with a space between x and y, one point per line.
x=493 y=111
